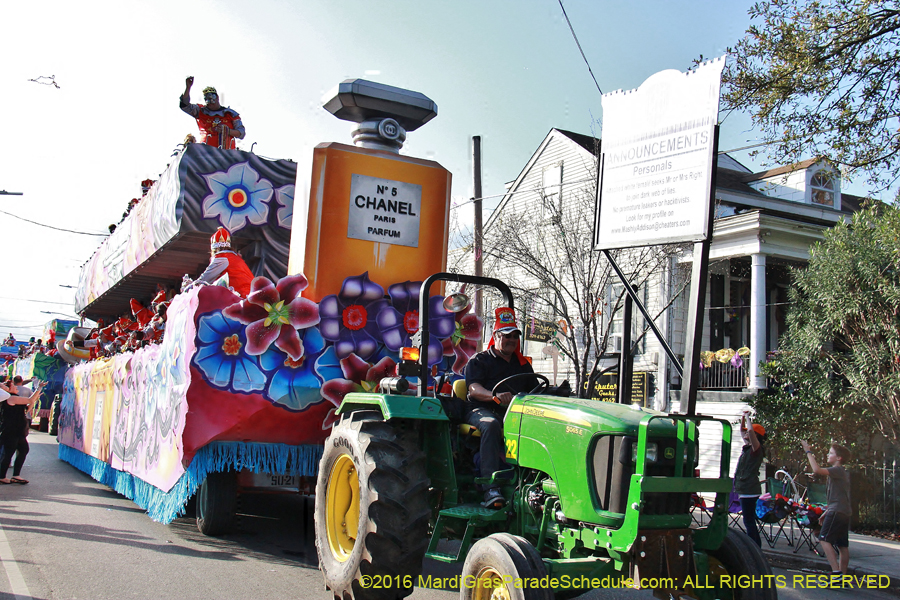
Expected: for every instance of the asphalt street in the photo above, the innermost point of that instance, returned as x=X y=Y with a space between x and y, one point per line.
x=65 y=536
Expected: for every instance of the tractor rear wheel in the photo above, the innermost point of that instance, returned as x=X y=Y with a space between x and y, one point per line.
x=372 y=512
x=503 y=566
x=737 y=556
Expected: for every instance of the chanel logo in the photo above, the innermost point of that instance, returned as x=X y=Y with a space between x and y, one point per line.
x=389 y=129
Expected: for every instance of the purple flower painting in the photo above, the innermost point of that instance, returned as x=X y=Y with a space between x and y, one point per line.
x=399 y=321
x=348 y=319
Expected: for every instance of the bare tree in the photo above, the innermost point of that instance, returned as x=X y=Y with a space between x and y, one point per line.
x=544 y=251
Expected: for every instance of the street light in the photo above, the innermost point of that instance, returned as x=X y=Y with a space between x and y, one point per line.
x=5 y=193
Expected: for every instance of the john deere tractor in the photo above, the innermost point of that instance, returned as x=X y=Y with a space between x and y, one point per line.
x=599 y=495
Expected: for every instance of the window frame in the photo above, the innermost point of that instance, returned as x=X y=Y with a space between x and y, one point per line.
x=819 y=189
x=552 y=191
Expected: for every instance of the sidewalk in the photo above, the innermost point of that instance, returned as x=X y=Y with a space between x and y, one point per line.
x=868 y=556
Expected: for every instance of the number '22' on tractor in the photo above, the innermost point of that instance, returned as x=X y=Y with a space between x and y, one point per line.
x=599 y=494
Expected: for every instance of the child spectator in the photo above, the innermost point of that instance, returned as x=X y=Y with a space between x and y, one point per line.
x=746 y=475
x=836 y=520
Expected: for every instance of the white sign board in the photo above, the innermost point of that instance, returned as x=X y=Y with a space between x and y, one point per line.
x=656 y=171
x=96 y=431
x=384 y=211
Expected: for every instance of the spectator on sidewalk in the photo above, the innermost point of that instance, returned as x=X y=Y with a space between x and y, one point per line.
x=22 y=385
x=835 y=532
x=746 y=475
x=13 y=429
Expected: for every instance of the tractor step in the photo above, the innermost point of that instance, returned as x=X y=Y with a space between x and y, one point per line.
x=474 y=511
x=474 y=515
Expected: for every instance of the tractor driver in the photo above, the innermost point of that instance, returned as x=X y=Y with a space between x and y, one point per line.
x=485 y=411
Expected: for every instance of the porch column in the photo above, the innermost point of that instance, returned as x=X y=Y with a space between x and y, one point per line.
x=757 y=318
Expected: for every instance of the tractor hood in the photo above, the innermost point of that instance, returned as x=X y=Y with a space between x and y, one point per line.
x=588 y=415
x=575 y=442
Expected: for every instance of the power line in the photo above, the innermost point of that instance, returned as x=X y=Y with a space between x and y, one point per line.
x=525 y=191
x=750 y=146
x=8 y=321
x=812 y=134
x=579 y=46
x=36 y=301
x=51 y=226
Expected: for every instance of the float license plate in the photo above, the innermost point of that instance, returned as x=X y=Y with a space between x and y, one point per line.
x=273 y=480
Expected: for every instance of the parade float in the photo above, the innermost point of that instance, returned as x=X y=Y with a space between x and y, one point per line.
x=44 y=364
x=242 y=392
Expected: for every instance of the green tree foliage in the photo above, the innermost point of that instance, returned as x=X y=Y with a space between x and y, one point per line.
x=838 y=369
x=820 y=78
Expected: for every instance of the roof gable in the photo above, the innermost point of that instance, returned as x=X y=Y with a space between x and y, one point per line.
x=585 y=145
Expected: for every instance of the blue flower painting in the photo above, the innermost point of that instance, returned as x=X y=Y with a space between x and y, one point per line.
x=284 y=196
x=222 y=358
x=238 y=196
x=293 y=384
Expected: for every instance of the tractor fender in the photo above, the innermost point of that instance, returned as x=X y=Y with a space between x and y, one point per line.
x=394 y=406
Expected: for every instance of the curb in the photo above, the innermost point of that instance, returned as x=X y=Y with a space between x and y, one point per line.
x=789 y=561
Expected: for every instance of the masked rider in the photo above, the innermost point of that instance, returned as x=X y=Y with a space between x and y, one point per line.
x=219 y=125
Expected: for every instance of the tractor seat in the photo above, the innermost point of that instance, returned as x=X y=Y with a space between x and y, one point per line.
x=460 y=390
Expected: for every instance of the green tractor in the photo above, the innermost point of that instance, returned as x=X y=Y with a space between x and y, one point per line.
x=599 y=495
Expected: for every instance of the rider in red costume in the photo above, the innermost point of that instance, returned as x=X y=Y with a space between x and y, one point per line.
x=213 y=119
x=222 y=261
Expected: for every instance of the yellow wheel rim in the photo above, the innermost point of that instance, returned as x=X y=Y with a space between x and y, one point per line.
x=342 y=508
x=489 y=585
x=716 y=570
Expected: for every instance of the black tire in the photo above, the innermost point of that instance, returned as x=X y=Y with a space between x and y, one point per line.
x=216 y=503
x=740 y=556
x=367 y=465
x=54 y=417
x=504 y=556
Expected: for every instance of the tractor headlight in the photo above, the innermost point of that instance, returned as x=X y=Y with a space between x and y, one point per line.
x=650 y=455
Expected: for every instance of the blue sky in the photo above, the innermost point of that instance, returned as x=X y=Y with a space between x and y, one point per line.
x=505 y=70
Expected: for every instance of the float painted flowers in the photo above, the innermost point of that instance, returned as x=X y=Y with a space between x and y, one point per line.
x=399 y=321
x=284 y=196
x=237 y=196
x=464 y=341
x=222 y=357
x=293 y=384
x=273 y=313
x=351 y=374
x=349 y=318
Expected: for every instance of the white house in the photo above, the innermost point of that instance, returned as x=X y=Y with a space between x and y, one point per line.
x=765 y=223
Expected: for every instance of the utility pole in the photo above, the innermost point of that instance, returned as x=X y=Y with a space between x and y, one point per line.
x=479 y=258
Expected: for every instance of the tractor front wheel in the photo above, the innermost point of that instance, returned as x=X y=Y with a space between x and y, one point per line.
x=371 y=515
x=503 y=566
x=738 y=556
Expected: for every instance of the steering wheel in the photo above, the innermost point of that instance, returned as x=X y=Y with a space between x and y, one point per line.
x=543 y=383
